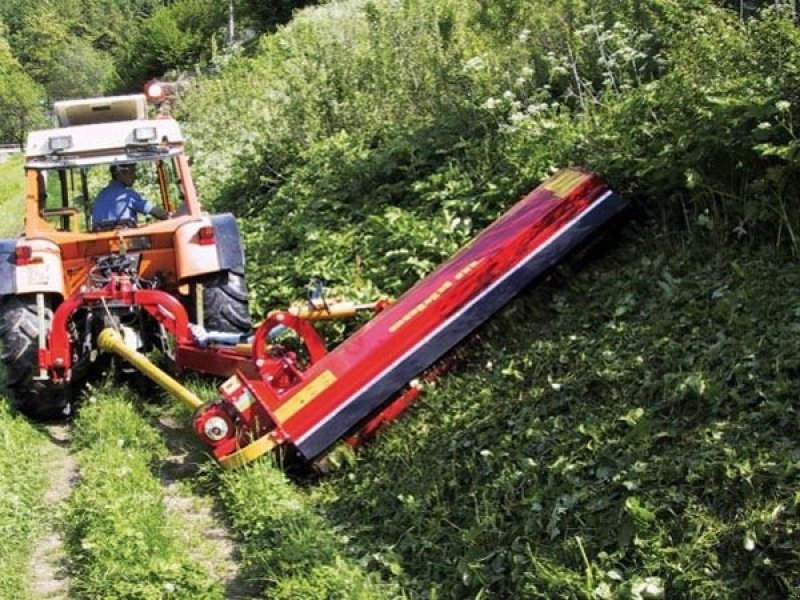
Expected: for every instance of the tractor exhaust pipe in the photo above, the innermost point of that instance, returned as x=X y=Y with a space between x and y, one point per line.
x=111 y=341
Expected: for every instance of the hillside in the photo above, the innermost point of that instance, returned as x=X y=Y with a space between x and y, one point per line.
x=626 y=428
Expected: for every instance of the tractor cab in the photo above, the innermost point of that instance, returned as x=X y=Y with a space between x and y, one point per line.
x=68 y=166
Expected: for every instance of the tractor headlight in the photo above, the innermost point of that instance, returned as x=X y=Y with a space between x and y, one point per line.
x=144 y=134
x=60 y=143
x=215 y=429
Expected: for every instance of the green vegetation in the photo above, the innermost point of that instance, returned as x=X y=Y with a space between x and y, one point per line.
x=22 y=484
x=78 y=48
x=626 y=430
x=20 y=97
x=380 y=136
x=286 y=544
x=121 y=541
x=621 y=427
x=12 y=193
x=634 y=434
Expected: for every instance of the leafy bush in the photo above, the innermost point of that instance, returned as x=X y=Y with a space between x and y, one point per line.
x=176 y=36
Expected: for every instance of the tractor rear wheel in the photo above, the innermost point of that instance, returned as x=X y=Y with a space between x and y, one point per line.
x=19 y=338
x=225 y=304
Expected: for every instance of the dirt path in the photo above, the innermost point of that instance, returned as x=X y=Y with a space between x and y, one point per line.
x=219 y=552
x=48 y=560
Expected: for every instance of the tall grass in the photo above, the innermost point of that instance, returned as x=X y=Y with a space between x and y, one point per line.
x=287 y=544
x=23 y=481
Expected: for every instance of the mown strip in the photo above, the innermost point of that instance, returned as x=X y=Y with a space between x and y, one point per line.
x=22 y=486
x=287 y=545
x=121 y=540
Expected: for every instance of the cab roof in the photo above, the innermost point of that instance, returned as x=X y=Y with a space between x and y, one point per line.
x=96 y=131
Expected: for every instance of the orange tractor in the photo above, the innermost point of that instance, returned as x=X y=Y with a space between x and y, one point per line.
x=194 y=258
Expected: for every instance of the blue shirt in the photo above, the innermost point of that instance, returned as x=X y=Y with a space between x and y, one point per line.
x=117 y=203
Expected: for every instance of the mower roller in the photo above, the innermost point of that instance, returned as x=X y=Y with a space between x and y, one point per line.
x=272 y=397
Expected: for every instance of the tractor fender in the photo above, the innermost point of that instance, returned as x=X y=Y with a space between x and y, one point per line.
x=42 y=272
x=193 y=257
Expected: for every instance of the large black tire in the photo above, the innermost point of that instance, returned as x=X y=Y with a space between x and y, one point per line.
x=225 y=303
x=39 y=399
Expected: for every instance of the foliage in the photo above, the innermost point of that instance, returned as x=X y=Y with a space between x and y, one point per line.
x=175 y=36
x=624 y=427
x=19 y=98
x=64 y=61
x=80 y=71
x=121 y=541
x=22 y=483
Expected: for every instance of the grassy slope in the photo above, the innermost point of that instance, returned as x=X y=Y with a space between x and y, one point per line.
x=11 y=196
x=633 y=421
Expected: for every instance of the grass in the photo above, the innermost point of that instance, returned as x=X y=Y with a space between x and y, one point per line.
x=22 y=485
x=287 y=545
x=12 y=194
x=629 y=427
x=121 y=541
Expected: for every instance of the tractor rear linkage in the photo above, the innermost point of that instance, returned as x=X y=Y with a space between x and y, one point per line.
x=271 y=397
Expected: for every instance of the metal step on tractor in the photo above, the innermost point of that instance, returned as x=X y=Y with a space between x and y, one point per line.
x=72 y=289
x=194 y=259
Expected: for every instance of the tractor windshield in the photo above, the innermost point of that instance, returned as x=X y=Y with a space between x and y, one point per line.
x=66 y=195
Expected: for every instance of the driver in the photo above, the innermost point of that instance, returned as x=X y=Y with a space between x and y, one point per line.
x=118 y=203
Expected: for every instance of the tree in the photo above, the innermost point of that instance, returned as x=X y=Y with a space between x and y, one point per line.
x=81 y=71
x=174 y=37
x=20 y=97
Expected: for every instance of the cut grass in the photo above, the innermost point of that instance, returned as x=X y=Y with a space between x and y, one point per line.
x=635 y=427
x=12 y=195
x=121 y=540
x=22 y=486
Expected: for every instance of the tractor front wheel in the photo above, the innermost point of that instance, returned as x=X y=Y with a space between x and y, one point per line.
x=19 y=338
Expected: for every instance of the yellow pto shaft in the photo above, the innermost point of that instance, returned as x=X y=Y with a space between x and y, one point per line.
x=111 y=341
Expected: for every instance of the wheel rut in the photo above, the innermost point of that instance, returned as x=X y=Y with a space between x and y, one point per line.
x=199 y=515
